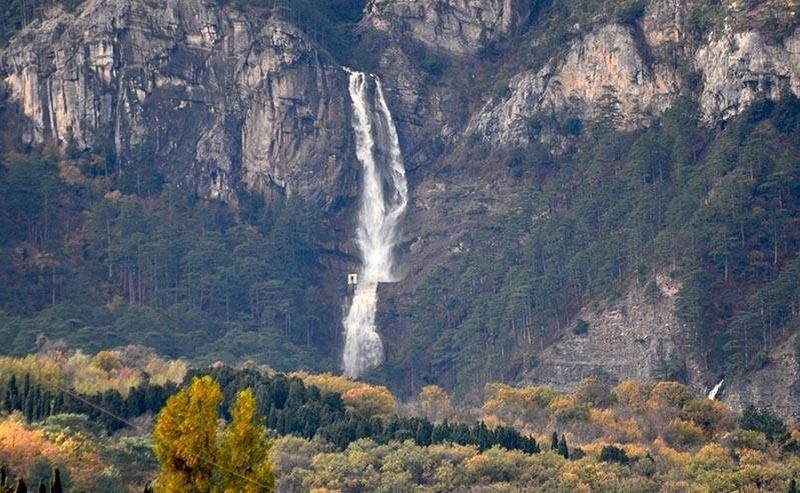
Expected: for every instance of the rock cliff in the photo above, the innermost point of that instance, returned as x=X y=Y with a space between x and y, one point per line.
x=604 y=68
x=610 y=67
x=213 y=95
x=740 y=67
x=454 y=26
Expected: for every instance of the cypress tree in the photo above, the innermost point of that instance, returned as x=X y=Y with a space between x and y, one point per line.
x=422 y=435
x=11 y=397
x=55 y=482
x=297 y=393
x=562 y=448
x=554 y=441
x=31 y=402
x=530 y=446
x=26 y=388
x=361 y=429
x=280 y=423
x=272 y=419
x=482 y=436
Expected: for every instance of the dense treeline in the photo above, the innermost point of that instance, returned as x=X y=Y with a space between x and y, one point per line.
x=292 y=407
x=288 y=404
x=635 y=436
x=715 y=209
x=36 y=402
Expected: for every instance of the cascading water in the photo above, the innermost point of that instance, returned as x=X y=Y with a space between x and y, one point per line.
x=384 y=196
x=713 y=393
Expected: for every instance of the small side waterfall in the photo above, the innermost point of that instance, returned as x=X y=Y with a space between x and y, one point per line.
x=713 y=393
x=384 y=196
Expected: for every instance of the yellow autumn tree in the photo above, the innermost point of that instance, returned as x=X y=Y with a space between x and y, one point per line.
x=369 y=400
x=435 y=403
x=21 y=446
x=185 y=438
x=244 y=451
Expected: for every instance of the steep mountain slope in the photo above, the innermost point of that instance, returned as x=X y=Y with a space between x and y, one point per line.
x=567 y=161
x=541 y=102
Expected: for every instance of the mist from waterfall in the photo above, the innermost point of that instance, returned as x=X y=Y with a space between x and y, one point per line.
x=384 y=196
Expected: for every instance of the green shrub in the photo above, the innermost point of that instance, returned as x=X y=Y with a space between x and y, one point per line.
x=766 y=422
x=432 y=64
x=573 y=126
x=610 y=453
x=760 y=360
x=629 y=11
x=581 y=327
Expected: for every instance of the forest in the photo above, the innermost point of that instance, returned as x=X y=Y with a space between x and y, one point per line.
x=305 y=431
x=714 y=209
x=99 y=258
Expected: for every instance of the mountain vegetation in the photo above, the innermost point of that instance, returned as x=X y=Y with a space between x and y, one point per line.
x=715 y=209
x=642 y=436
x=100 y=257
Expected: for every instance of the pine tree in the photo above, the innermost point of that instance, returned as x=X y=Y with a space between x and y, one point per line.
x=42 y=487
x=3 y=479
x=563 y=450
x=554 y=441
x=792 y=486
x=55 y=482
x=530 y=446
x=243 y=453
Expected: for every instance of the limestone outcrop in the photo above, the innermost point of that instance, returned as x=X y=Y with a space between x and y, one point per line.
x=215 y=97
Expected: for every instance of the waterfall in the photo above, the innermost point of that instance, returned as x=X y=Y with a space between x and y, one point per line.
x=713 y=394
x=384 y=195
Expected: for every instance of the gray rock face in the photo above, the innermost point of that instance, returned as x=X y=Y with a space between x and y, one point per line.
x=630 y=339
x=775 y=387
x=662 y=22
x=218 y=98
x=455 y=26
x=740 y=67
x=604 y=67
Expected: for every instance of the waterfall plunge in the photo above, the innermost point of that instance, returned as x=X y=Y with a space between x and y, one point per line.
x=713 y=393
x=384 y=196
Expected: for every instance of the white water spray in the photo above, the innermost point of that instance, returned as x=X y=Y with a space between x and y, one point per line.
x=384 y=197
x=713 y=394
